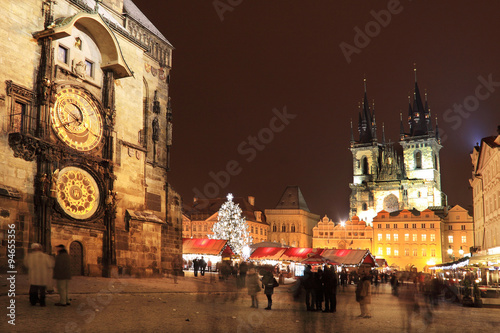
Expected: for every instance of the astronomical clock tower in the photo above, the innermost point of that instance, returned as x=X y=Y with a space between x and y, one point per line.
x=385 y=179
x=86 y=135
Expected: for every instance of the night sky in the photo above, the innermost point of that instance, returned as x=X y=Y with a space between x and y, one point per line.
x=229 y=75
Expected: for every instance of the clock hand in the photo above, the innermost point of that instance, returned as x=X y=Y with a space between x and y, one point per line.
x=67 y=123
x=86 y=125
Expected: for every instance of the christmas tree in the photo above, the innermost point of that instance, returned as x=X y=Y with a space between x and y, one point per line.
x=231 y=226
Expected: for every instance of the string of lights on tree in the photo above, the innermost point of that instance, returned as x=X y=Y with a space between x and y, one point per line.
x=232 y=227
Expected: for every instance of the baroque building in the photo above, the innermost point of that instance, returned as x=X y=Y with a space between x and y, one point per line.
x=86 y=134
x=351 y=234
x=291 y=223
x=485 y=183
x=201 y=216
x=385 y=179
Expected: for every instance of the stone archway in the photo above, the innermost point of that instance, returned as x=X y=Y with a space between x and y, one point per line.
x=76 y=254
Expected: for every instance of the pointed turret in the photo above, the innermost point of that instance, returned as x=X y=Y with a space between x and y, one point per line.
x=365 y=122
x=352 y=134
x=419 y=114
x=401 y=127
x=374 y=123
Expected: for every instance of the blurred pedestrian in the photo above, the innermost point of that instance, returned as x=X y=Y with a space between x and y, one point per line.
x=203 y=266
x=318 y=289
x=196 y=266
x=209 y=265
x=363 y=294
x=330 y=282
x=62 y=273
x=40 y=267
x=269 y=283
x=253 y=287
x=307 y=283
x=408 y=304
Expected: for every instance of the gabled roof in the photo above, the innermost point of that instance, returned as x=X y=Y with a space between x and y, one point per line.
x=292 y=198
x=298 y=253
x=350 y=257
x=267 y=253
x=135 y=13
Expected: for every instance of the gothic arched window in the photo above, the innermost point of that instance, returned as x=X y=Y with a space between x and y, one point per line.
x=283 y=228
x=293 y=228
x=364 y=165
x=274 y=227
x=418 y=160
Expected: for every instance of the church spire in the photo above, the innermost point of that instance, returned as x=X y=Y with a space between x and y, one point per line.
x=352 y=135
x=365 y=120
x=383 y=133
x=401 y=127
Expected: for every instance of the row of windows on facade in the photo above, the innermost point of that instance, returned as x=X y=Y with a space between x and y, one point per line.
x=283 y=228
x=252 y=229
x=63 y=56
x=355 y=234
x=414 y=226
x=388 y=251
x=492 y=204
x=417 y=158
x=423 y=238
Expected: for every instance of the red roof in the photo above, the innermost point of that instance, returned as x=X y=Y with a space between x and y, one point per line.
x=381 y=262
x=214 y=247
x=350 y=257
x=298 y=253
x=267 y=253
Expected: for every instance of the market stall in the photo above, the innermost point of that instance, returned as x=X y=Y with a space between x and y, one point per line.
x=213 y=250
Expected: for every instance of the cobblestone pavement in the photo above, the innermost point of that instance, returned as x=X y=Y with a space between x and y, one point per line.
x=207 y=305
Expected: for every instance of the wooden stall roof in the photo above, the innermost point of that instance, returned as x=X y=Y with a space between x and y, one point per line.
x=213 y=247
x=267 y=253
x=298 y=254
x=350 y=257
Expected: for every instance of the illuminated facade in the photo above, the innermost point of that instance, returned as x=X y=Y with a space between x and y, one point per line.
x=407 y=239
x=352 y=234
x=86 y=135
x=485 y=183
x=291 y=223
x=458 y=234
x=385 y=180
x=200 y=218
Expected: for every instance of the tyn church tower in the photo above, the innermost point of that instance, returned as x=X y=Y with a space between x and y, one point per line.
x=383 y=179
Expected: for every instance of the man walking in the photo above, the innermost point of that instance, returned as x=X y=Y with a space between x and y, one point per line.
x=40 y=266
x=62 y=273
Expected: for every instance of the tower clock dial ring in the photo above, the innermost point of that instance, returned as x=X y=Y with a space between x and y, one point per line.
x=77 y=193
x=76 y=119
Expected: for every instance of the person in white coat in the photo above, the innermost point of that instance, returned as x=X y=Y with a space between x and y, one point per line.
x=40 y=267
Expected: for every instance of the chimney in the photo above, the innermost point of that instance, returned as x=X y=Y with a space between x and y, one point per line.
x=251 y=200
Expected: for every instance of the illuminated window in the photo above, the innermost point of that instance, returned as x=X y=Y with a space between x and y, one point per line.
x=407 y=237
x=424 y=252
x=380 y=251
x=418 y=160
x=433 y=252
x=396 y=252
x=388 y=251
x=415 y=252
x=450 y=239
x=396 y=237
x=414 y=237
x=407 y=252
x=433 y=237
x=424 y=237
x=388 y=237
x=464 y=239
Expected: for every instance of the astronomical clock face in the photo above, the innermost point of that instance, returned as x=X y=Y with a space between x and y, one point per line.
x=77 y=193
x=76 y=119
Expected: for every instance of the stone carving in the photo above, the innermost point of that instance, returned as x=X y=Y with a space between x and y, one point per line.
x=156 y=129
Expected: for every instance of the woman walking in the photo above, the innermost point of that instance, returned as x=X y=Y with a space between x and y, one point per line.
x=253 y=287
x=269 y=282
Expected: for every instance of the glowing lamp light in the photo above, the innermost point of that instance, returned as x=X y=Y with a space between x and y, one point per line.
x=342 y=223
x=450 y=251
x=431 y=263
x=246 y=252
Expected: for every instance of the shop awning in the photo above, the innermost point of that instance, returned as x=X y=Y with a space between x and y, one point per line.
x=381 y=262
x=267 y=253
x=298 y=254
x=211 y=247
x=350 y=257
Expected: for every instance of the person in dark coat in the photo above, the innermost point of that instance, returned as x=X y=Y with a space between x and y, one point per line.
x=330 y=282
x=318 y=289
x=196 y=266
x=307 y=282
x=203 y=265
x=269 y=283
x=62 y=273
